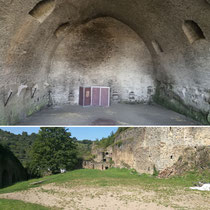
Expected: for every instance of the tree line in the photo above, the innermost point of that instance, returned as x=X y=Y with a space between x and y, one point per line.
x=49 y=151
x=52 y=150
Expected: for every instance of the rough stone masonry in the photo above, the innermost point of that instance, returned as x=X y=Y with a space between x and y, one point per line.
x=149 y=149
x=146 y=50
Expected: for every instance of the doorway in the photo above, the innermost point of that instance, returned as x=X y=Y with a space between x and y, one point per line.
x=94 y=96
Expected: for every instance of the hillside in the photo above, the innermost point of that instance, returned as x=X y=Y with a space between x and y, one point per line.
x=107 y=141
x=21 y=144
x=18 y=144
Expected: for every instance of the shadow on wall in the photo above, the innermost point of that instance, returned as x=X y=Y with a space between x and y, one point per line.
x=102 y=52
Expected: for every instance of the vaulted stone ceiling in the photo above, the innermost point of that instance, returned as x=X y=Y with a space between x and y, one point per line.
x=176 y=33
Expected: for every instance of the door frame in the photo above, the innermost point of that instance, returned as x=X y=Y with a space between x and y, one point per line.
x=83 y=101
x=91 y=99
x=100 y=87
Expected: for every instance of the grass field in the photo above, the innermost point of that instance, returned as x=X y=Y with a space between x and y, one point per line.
x=19 y=205
x=117 y=184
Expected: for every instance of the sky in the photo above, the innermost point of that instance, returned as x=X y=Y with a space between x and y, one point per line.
x=90 y=133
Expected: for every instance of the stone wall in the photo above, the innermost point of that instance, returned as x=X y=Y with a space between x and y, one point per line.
x=102 y=52
x=149 y=149
x=102 y=159
x=30 y=40
x=96 y=165
x=11 y=170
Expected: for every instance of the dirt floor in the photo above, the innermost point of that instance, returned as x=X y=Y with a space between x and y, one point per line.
x=117 y=114
x=109 y=198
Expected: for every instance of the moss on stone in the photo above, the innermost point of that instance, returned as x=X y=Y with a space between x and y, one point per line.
x=35 y=109
x=176 y=104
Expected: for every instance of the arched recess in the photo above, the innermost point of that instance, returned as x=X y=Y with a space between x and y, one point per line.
x=102 y=52
x=192 y=31
x=5 y=178
x=43 y=9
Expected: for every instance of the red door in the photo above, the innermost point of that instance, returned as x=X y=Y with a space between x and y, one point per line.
x=96 y=97
x=104 y=96
x=87 y=97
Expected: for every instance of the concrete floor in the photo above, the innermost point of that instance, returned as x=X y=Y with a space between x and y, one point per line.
x=117 y=114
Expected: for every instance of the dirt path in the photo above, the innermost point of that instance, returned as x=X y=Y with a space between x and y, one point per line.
x=108 y=198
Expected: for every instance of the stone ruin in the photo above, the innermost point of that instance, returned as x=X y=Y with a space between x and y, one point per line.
x=168 y=150
x=102 y=159
x=143 y=50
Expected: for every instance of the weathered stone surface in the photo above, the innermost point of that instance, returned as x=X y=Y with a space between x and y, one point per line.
x=191 y=158
x=102 y=159
x=30 y=44
x=150 y=149
x=102 y=52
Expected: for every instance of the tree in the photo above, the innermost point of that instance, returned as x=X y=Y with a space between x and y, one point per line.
x=53 y=149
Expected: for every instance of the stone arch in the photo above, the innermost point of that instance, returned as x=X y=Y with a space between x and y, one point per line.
x=192 y=31
x=5 y=178
x=99 y=53
x=27 y=47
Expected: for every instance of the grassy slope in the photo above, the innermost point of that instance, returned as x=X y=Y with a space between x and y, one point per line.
x=113 y=177
x=19 y=205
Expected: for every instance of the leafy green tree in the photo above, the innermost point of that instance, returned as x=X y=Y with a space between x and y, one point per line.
x=53 y=149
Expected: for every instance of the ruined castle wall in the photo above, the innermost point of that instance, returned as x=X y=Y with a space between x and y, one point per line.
x=146 y=148
x=96 y=165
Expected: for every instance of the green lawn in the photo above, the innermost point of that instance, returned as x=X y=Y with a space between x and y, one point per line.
x=112 y=177
x=19 y=205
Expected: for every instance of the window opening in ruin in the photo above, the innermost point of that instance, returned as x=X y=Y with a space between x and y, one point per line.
x=104 y=160
x=192 y=31
x=107 y=153
x=171 y=157
x=158 y=49
x=42 y=10
x=106 y=167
